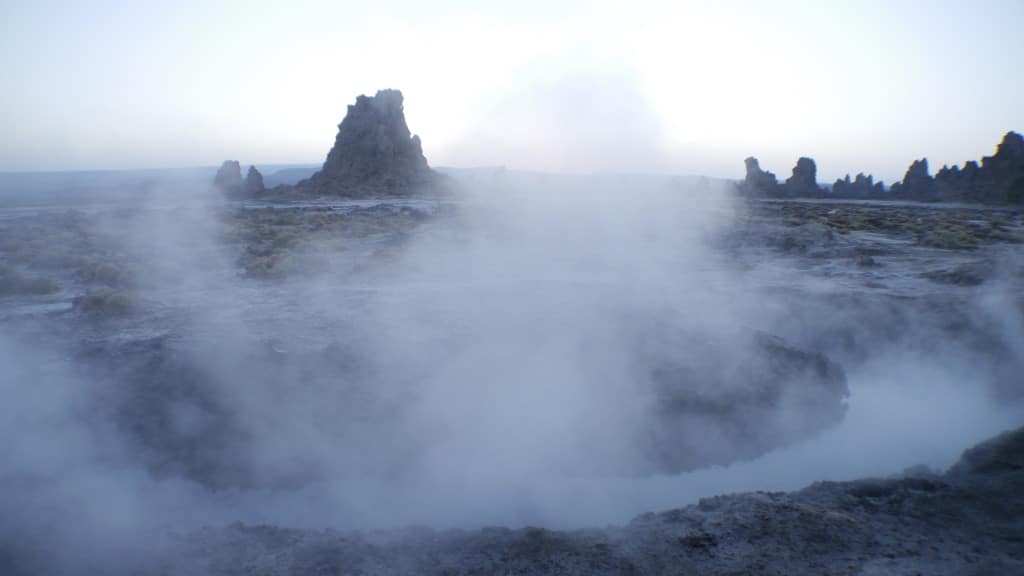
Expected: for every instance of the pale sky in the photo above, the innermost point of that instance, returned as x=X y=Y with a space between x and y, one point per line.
x=673 y=87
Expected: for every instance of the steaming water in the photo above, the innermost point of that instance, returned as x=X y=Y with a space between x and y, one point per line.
x=526 y=281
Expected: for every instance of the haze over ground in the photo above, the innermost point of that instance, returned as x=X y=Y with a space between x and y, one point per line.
x=200 y=373
x=679 y=87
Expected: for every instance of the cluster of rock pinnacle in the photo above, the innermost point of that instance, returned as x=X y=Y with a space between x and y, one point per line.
x=998 y=179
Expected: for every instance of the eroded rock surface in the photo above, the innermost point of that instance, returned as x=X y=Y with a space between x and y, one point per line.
x=374 y=153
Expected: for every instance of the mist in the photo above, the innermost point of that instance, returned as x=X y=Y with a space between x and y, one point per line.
x=497 y=364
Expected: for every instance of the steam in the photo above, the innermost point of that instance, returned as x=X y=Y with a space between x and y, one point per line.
x=482 y=371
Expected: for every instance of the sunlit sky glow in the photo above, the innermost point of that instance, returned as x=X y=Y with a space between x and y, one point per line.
x=676 y=87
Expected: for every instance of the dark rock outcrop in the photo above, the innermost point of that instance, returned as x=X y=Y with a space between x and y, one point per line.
x=1008 y=160
x=1001 y=176
x=254 y=182
x=804 y=181
x=998 y=455
x=229 y=178
x=758 y=182
x=952 y=183
x=917 y=183
x=863 y=186
x=373 y=154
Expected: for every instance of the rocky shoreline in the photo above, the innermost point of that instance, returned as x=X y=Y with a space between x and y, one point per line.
x=968 y=520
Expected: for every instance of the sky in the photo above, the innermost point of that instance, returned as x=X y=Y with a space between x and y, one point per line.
x=666 y=87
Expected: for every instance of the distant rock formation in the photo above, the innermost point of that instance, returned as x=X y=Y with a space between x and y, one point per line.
x=1008 y=160
x=952 y=182
x=863 y=186
x=229 y=180
x=758 y=181
x=804 y=181
x=998 y=180
x=254 y=182
x=1001 y=176
x=373 y=154
x=917 y=182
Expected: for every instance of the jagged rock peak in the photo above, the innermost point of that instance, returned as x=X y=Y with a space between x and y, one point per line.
x=1009 y=156
x=917 y=174
x=918 y=169
x=1012 y=145
x=917 y=182
x=373 y=153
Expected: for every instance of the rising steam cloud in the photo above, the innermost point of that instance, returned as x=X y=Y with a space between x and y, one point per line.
x=488 y=368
